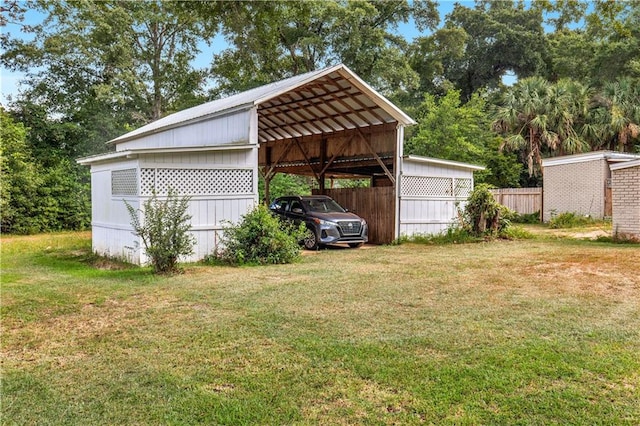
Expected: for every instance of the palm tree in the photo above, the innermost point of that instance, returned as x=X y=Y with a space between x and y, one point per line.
x=617 y=114
x=536 y=115
x=522 y=120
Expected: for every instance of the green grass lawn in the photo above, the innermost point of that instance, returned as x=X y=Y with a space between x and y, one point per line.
x=542 y=331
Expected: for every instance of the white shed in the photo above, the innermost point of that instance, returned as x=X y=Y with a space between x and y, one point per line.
x=431 y=192
x=326 y=124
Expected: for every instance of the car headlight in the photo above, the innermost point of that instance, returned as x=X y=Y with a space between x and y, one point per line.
x=324 y=222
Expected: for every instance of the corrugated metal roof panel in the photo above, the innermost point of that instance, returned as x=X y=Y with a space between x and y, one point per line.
x=334 y=97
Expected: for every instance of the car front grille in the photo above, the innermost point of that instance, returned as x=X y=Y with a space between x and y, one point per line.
x=350 y=227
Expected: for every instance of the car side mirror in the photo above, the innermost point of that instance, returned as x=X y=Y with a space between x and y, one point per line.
x=297 y=210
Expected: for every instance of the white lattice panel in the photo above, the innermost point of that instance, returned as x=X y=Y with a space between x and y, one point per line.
x=463 y=187
x=124 y=182
x=427 y=186
x=197 y=181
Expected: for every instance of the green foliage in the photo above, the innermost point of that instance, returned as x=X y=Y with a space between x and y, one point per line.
x=260 y=238
x=38 y=197
x=569 y=220
x=453 y=235
x=528 y=218
x=515 y=233
x=482 y=214
x=269 y=41
x=163 y=226
x=19 y=179
x=451 y=130
x=285 y=184
x=501 y=37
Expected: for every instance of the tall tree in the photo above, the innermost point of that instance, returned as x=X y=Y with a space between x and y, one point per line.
x=451 y=130
x=605 y=48
x=273 y=40
x=127 y=62
x=501 y=37
x=616 y=118
x=537 y=118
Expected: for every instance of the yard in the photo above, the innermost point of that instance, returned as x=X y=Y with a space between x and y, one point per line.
x=543 y=331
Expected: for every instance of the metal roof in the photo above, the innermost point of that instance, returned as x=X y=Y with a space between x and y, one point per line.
x=324 y=101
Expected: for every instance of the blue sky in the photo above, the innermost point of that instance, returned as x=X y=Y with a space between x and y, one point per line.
x=9 y=81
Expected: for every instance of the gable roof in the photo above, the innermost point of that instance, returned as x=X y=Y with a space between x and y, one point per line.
x=322 y=101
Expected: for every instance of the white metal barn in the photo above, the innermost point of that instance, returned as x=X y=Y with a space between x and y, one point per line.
x=326 y=124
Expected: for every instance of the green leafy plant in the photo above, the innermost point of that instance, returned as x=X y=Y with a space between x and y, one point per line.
x=483 y=215
x=260 y=238
x=569 y=220
x=528 y=218
x=164 y=230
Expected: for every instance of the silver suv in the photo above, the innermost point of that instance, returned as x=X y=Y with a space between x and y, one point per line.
x=327 y=222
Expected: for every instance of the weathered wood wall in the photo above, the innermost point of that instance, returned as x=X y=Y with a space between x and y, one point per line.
x=375 y=205
x=520 y=200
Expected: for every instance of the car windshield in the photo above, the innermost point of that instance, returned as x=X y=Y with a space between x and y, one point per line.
x=323 y=205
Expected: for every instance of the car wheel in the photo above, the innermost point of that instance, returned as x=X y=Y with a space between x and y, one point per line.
x=311 y=240
x=355 y=245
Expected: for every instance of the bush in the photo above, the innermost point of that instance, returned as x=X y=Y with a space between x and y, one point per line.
x=483 y=218
x=527 y=218
x=164 y=230
x=260 y=238
x=483 y=215
x=569 y=220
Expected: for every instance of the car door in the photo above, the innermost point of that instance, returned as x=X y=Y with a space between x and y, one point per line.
x=280 y=206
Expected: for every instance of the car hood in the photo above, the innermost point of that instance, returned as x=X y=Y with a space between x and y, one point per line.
x=335 y=216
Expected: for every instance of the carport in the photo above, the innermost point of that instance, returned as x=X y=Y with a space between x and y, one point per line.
x=333 y=127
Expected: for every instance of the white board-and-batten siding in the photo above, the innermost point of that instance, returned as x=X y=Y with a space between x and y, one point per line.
x=217 y=131
x=222 y=186
x=430 y=194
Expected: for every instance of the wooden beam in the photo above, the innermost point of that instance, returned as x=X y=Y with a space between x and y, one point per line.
x=338 y=152
x=306 y=158
x=286 y=149
x=377 y=157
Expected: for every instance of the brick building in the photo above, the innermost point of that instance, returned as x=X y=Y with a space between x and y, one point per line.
x=625 y=188
x=580 y=183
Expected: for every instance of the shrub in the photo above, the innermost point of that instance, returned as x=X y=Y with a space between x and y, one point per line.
x=164 y=230
x=260 y=238
x=527 y=218
x=482 y=214
x=569 y=220
x=515 y=233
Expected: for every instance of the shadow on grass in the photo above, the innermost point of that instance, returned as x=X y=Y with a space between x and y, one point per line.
x=82 y=262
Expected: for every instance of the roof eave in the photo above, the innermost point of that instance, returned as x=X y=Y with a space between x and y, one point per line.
x=431 y=160
x=134 y=153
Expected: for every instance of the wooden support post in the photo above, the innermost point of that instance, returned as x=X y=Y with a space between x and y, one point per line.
x=267 y=184
x=323 y=159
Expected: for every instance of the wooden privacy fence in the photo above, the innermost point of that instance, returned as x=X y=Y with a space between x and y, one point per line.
x=521 y=200
x=375 y=205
